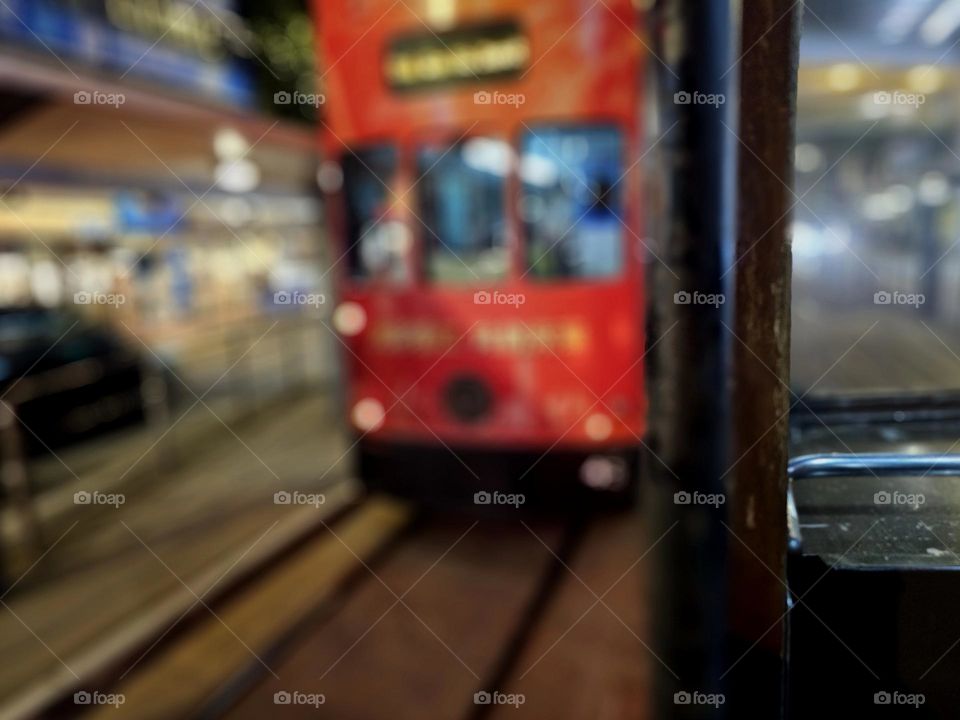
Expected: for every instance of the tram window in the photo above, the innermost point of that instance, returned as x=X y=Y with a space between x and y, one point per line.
x=571 y=202
x=378 y=241
x=461 y=205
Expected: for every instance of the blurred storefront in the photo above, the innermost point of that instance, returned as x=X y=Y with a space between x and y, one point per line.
x=159 y=213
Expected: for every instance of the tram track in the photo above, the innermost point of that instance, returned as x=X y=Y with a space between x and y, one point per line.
x=518 y=641
x=486 y=582
x=302 y=650
x=235 y=687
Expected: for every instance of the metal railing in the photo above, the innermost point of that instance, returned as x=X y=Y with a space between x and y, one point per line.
x=845 y=465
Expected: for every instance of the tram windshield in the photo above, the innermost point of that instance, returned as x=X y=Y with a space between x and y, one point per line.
x=461 y=191
x=378 y=241
x=571 y=202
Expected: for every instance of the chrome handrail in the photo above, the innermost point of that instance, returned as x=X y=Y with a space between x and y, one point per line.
x=839 y=465
x=879 y=464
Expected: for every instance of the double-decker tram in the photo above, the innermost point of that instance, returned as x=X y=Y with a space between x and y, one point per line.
x=482 y=190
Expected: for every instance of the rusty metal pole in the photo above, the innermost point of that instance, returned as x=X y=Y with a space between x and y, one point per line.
x=767 y=68
x=719 y=394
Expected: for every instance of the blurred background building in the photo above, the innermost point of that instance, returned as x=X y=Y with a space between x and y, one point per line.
x=876 y=195
x=163 y=285
x=158 y=186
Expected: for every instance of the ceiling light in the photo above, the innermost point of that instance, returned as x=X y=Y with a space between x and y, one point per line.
x=807 y=157
x=942 y=23
x=934 y=189
x=901 y=20
x=925 y=78
x=237 y=176
x=843 y=77
x=229 y=144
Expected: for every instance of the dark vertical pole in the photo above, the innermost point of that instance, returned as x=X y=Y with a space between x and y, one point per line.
x=690 y=413
x=756 y=511
x=720 y=397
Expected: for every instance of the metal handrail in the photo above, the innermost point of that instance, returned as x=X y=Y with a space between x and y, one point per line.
x=843 y=465
x=878 y=464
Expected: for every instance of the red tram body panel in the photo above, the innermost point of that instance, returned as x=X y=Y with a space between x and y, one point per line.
x=483 y=191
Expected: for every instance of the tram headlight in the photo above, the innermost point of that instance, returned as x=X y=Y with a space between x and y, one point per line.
x=368 y=414
x=598 y=427
x=602 y=472
x=350 y=319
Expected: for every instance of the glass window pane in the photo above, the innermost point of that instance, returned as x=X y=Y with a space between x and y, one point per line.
x=572 y=202
x=876 y=272
x=378 y=241
x=461 y=204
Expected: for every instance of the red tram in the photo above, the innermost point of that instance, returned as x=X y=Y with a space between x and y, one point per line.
x=483 y=194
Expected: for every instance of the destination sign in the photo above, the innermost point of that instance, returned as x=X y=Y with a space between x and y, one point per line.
x=462 y=55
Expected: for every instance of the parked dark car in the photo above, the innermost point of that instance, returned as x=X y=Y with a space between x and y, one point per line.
x=68 y=378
